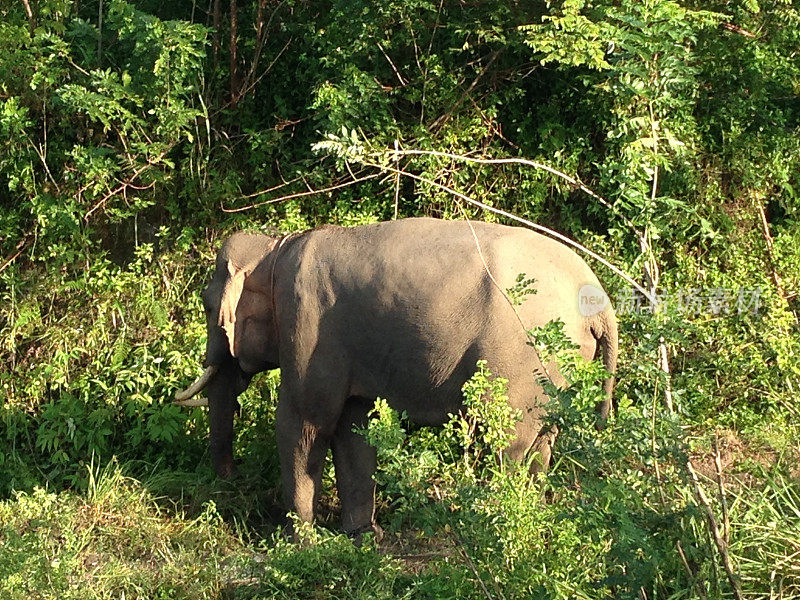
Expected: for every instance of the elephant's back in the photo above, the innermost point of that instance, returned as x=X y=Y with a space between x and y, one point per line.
x=475 y=262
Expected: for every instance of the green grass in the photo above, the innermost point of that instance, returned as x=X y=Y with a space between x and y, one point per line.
x=573 y=534
x=765 y=533
x=114 y=539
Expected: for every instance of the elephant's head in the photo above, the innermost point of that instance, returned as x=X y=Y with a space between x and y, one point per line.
x=242 y=336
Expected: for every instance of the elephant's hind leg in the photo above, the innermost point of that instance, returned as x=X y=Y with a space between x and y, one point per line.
x=534 y=447
x=355 y=463
x=542 y=449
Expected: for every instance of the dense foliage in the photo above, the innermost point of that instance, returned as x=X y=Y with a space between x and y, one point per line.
x=138 y=134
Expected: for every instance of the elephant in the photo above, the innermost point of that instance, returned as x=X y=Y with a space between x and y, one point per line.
x=401 y=309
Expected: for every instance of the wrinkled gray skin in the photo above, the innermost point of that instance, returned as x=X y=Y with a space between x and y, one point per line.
x=402 y=310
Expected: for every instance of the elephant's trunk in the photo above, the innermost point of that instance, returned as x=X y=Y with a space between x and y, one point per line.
x=222 y=404
x=184 y=398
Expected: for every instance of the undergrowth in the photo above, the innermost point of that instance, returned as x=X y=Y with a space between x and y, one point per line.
x=615 y=517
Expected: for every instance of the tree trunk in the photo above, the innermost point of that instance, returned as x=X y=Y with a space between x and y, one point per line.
x=216 y=24
x=235 y=83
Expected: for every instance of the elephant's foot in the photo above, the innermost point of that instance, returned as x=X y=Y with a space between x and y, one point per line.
x=358 y=534
x=542 y=450
x=226 y=468
x=300 y=532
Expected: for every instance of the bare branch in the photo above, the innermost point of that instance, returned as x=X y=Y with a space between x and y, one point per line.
x=726 y=522
x=21 y=246
x=736 y=29
x=124 y=186
x=298 y=195
x=81 y=69
x=722 y=547
x=28 y=10
x=29 y=14
x=530 y=163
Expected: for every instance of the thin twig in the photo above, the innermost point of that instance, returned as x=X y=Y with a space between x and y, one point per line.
x=772 y=263
x=503 y=292
x=311 y=192
x=471 y=565
x=651 y=270
x=713 y=526
x=245 y=90
x=100 y=34
x=21 y=246
x=442 y=121
x=770 y=248
x=261 y=36
x=394 y=68
x=427 y=60
x=122 y=187
x=270 y=189
x=726 y=523
x=653 y=442
x=233 y=51
x=396 y=182
x=41 y=154
x=486 y=266
x=692 y=576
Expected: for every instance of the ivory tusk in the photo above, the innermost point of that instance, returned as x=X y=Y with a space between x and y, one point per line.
x=192 y=402
x=184 y=398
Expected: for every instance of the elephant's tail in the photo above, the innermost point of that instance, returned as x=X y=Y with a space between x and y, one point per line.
x=604 y=329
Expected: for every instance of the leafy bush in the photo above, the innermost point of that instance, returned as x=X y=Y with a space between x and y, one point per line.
x=615 y=516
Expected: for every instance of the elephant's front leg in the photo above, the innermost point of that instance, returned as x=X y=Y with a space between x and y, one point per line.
x=355 y=462
x=223 y=392
x=303 y=441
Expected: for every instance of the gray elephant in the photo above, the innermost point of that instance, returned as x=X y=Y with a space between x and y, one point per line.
x=402 y=310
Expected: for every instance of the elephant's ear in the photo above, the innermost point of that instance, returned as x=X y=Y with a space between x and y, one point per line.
x=230 y=300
